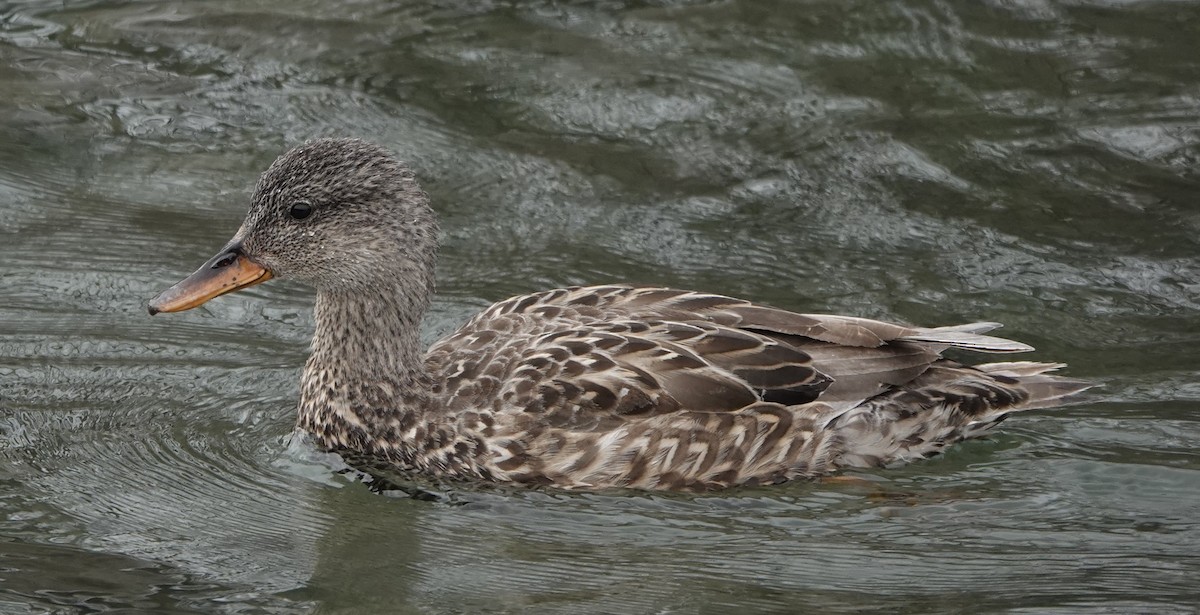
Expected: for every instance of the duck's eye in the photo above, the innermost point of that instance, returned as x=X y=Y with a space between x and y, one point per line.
x=300 y=211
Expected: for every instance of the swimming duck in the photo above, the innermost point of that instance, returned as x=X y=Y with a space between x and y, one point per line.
x=588 y=387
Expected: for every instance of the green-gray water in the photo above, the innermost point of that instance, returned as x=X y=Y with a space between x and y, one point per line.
x=1026 y=161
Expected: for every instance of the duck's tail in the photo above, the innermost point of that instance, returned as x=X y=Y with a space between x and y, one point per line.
x=946 y=404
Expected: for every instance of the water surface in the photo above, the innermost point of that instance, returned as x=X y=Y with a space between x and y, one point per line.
x=1025 y=161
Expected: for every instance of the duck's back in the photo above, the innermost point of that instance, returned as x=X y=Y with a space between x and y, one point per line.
x=622 y=386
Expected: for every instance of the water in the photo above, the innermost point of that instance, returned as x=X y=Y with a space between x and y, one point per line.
x=1025 y=161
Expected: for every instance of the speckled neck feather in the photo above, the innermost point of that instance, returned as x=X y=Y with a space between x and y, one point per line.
x=365 y=353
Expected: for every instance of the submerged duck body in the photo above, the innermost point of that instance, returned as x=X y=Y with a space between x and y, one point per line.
x=589 y=387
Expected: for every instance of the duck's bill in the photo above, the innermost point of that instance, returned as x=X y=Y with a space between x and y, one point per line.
x=224 y=273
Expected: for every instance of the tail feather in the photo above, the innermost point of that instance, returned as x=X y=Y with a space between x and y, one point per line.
x=1044 y=391
x=968 y=336
x=971 y=327
x=1016 y=369
x=947 y=404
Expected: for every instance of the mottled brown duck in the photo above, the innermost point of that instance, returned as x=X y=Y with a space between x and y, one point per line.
x=586 y=388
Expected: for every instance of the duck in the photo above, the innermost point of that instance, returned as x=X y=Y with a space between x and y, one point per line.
x=615 y=386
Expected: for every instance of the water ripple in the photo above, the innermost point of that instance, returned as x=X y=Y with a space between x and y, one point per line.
x=1022 y=161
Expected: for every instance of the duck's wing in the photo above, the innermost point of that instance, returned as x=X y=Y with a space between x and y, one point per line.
x=584 y=374
x=855 y=358
x=591 y=303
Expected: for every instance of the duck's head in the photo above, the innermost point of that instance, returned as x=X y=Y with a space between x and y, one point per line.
x=343 y=215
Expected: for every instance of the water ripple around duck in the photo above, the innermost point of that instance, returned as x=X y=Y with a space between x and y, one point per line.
x=1026 y=162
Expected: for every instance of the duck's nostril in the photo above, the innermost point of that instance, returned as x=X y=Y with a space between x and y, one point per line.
x=225 y=260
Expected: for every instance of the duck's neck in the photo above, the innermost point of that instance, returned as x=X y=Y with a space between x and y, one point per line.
x=365 y=387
